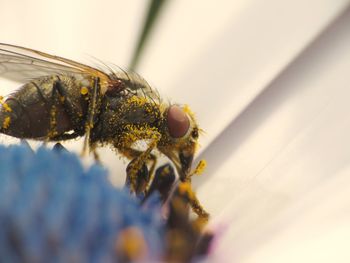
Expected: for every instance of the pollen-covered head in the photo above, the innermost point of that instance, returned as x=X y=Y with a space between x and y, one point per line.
x=183 y=132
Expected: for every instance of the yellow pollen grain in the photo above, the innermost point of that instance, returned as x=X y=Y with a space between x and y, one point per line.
x=184 y=187
x=166 y=171
x=200 y=223
x=6 y=107
x=137 y=100
x=84 y=90
x=132 y=244
x=188 y=110
x=6 y=122
x=200 y=167
x=89 y=125
x=62 y=99
x=136 y=133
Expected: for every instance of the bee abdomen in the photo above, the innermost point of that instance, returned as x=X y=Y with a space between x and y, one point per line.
x=38 y=109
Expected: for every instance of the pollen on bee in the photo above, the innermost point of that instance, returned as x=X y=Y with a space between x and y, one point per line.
x=185 y=187
x=6 y=107
x=6 y=122
x=84 y=90
x=89 y=125
x=137 y=100
x=132 y=244
x=62 y=99
x=200 y=167
x=188 y=110
x=166 y=171
x=135 y=133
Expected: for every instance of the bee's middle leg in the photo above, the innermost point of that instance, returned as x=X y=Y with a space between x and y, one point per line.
x=91 y=114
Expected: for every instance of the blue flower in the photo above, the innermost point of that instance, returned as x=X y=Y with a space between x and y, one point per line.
x=53 y=210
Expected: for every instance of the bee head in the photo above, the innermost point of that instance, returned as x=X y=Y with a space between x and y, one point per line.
x=182 y=136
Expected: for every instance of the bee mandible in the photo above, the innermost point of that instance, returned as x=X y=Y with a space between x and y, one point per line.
x=62 y=99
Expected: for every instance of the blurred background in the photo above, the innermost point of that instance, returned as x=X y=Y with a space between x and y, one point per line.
x=269 y=83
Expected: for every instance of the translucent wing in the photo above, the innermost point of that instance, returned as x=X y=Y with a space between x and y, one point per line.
x=20 y=64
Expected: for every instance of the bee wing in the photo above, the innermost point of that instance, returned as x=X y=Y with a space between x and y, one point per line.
x=20 y=64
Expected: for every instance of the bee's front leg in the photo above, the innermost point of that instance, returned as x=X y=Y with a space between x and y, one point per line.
x=137 y=179
x=138 y=175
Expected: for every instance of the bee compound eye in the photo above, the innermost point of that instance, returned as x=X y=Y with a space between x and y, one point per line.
x=178 y=122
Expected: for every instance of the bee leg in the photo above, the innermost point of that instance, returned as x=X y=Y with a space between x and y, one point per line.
x=153 y=160
x=163 y=181
x=191 y=241
x=139 y=159
x=95 y=153
x=90 y=116
x=59 y=96
x=194 y=202
x=96 y=156
x=53 y=104
x=140 y=181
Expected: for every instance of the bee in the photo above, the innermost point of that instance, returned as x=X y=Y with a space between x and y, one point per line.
x=62 y=99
